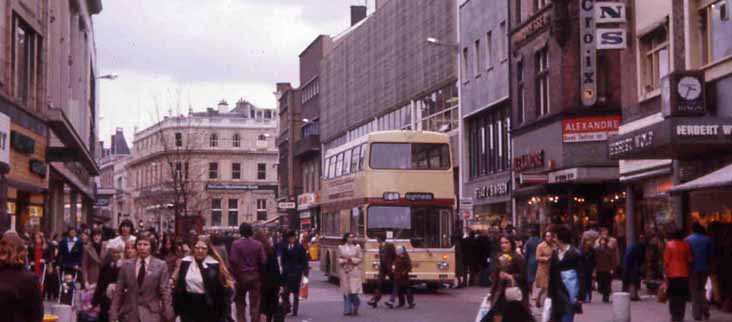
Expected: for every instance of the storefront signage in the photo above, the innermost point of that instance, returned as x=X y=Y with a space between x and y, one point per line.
x=419 y=196
x=611 y=38
x=682 y=94
x=286 y=205
x=567 y=175
x=10 y=207
x=22 y=143
x=238 y=186
x=529 y=179
x=38 y=167
x=4 y=136
x=534 y=27
x=588 y=53
x=304 y=215
x=307 y=200
x=528 y=161
x=590 y=129
x=492 y=190
x=631 y=144
x=102 y=201
x=610 y=12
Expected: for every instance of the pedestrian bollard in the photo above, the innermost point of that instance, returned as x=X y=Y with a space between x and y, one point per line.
x=621 y=307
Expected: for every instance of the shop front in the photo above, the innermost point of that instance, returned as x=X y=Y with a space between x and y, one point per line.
x=308 y=210
x=27 y=181
x=491 y=203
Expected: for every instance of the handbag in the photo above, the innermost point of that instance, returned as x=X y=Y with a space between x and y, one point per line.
x=304 y=288
x=662 y=295
x=546 y=313
x=513 y=293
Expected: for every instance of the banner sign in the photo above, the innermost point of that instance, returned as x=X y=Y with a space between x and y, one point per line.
x=590 y=129
x=588 y=53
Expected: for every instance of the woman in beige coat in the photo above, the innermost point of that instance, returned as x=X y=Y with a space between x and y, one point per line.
x=349 y=261
x=543 y=257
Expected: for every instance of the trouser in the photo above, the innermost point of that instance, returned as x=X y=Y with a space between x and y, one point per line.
x=295 y=299
x=699 y=305
x=403 y=290
x=382 y=285
x=248 y=284
x=351 y=303
x=569 y=317
x=588 y=287
x=677 y=307
x=603 y=284
x=474 y=274
x=197 y=310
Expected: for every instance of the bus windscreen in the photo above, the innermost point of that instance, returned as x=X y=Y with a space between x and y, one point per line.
x=425 y=227
x=413 y=156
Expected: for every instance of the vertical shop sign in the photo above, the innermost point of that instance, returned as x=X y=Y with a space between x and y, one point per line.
x=588 y=53
x=4 y=139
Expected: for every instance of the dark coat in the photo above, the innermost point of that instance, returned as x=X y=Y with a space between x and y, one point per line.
x=402 y=268
x=271 y=282
x=387 y=254
x=215 y=292
x=557 y=291
x=294 y=265
x=20 y=296
x=68 y=258
x=511 y=311
x=108 y=275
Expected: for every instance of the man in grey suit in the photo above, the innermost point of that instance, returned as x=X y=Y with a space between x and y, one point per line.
x=143 y=292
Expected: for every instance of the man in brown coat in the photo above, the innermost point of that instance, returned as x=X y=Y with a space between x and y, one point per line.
x=143 y=292
x=543 y=256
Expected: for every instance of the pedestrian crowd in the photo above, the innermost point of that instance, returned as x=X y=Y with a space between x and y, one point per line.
x=557 y=271
x=136 y=276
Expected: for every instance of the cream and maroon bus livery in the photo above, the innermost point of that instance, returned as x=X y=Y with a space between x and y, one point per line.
x=395 y=183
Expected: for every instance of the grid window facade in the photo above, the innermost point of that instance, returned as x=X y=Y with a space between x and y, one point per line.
x=261 y=171
x=233 y=216
x=213 y=170
x=236 y=171
x=216 y=212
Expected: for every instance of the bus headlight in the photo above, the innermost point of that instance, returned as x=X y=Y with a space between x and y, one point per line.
x=375 y=265
x=443 y=266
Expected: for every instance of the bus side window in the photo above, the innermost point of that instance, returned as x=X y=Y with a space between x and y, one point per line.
x=339 y=165
x=354 y=159
x=347 y=163
x=326 y=167
x=361 y=158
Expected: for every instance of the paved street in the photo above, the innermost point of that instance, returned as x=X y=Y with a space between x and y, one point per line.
x=455 y=305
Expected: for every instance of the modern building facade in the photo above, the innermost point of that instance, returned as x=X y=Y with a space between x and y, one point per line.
x=215 y=169
x=383 y=74
x=49 y=96
x=566 y=103
x=485 y=110
x=675 y=139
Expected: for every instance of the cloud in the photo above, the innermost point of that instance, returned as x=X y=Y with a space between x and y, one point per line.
x=202 y=51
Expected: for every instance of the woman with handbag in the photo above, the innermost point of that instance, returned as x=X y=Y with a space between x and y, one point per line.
x=201 y=284
x=676 y=260
x=566 y=274
x=509 y=294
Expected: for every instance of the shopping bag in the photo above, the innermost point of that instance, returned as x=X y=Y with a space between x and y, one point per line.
x=662 y=296
x=304 y=288
x=484 y=309
x=546 y=313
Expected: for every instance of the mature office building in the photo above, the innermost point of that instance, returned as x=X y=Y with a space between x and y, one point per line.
x=215 y=169
x=485 y=110
x=383 y=74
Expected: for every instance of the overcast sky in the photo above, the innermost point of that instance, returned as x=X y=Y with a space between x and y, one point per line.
x=172 y=54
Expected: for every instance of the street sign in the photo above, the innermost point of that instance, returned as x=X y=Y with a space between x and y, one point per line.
x=286 y=205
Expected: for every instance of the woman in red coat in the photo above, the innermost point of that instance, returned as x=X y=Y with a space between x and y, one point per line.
x=676 y=260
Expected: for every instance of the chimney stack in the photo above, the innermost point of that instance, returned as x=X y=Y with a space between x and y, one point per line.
x=358 y=13
x=223 y=107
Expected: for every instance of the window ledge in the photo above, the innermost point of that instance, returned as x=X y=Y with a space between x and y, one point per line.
x=504 y=60
x=477 y=76
x=489 y=69
x=713 y=70
x=649 y=95
x=466 y=81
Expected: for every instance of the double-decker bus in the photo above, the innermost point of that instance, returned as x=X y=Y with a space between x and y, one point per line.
x=398 y=184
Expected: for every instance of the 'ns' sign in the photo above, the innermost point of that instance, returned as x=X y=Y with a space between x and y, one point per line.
x=609 y=12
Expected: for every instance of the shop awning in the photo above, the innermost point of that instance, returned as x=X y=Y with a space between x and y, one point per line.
x=717 y=179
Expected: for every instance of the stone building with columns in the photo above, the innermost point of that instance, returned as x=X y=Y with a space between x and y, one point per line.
x=212 y=169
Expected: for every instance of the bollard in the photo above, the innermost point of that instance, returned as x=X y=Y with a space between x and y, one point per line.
x=621 y=307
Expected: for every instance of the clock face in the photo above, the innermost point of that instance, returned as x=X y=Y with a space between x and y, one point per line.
x=689 y=88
